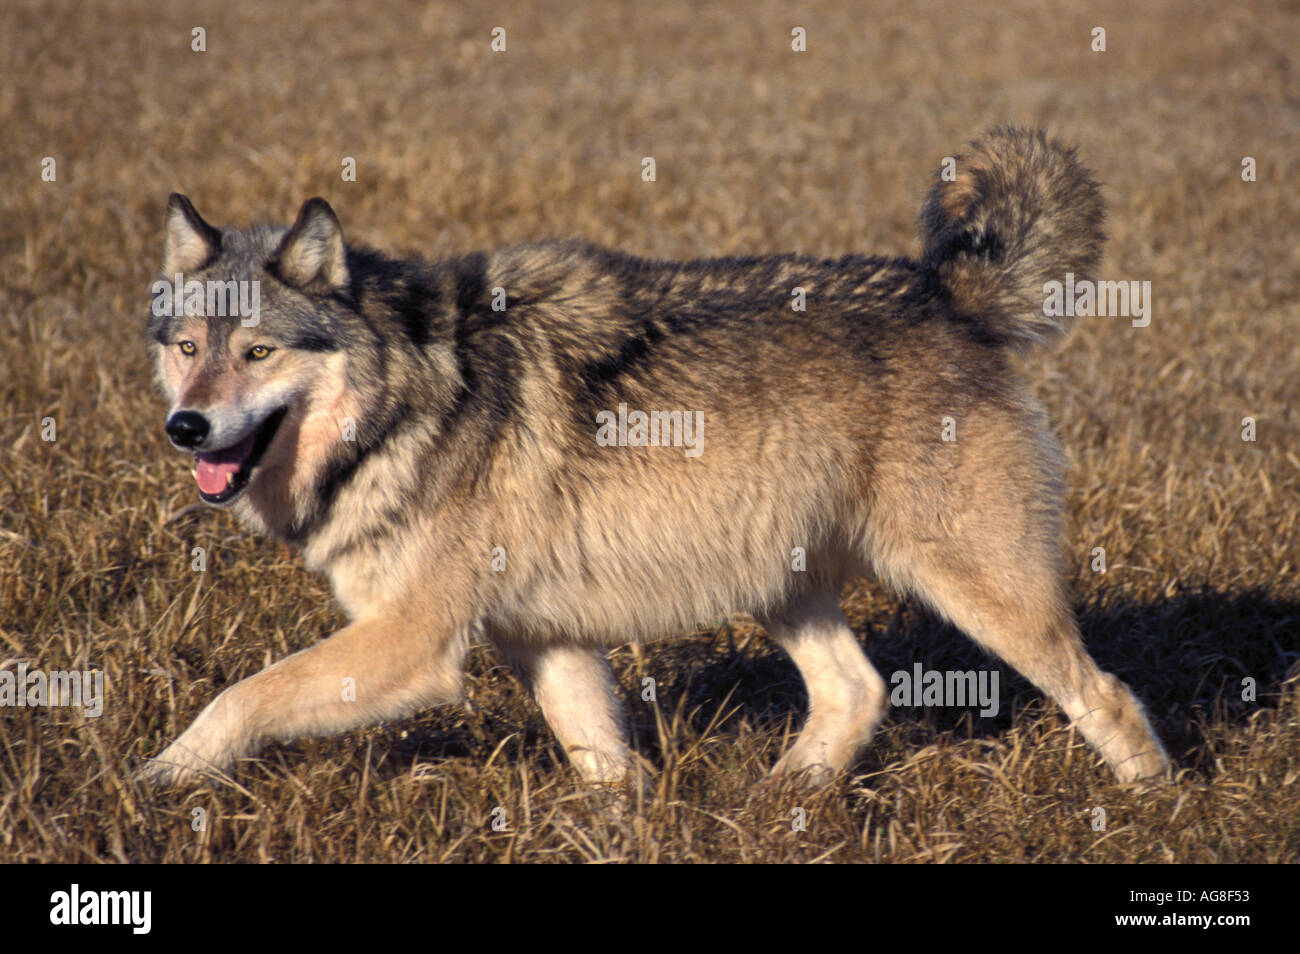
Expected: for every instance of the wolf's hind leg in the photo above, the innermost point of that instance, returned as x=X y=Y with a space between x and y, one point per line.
x=574 y=687
x=1014 y=605
x=846 y=695
x=368 y=671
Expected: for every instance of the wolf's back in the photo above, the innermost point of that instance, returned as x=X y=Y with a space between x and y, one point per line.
x=1021 y=211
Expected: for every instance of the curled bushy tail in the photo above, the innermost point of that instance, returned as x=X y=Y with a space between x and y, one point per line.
x=1022 y=211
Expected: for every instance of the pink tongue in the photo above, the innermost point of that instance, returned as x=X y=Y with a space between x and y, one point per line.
x=210 y=469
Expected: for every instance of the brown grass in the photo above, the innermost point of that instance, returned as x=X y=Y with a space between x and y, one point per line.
x=758 y=149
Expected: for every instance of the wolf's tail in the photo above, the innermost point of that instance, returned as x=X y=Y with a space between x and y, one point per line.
x=1020 y=212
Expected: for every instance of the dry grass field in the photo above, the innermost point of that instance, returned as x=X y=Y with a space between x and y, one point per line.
x=758 y=149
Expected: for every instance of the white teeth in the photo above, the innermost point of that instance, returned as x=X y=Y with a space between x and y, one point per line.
x=230 y=479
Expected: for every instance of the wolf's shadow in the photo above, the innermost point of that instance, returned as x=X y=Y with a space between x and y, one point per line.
x=1195 y=659
x=1187 y=657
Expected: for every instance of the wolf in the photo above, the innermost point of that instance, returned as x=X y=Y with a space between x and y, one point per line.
x=456 y=445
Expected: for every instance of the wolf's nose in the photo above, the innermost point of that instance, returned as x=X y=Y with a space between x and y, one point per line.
x=187 y=429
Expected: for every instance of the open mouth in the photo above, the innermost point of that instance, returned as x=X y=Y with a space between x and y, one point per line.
x=222 y=475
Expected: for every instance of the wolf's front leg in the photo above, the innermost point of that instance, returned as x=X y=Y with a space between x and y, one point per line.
x=371 y=670
x=575 y=689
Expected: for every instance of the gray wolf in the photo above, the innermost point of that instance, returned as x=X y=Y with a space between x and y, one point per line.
x=430 y=435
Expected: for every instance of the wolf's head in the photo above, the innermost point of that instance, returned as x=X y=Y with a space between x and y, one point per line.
x=249 y=329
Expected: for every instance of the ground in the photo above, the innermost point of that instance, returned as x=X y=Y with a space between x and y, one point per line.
x=758 y=148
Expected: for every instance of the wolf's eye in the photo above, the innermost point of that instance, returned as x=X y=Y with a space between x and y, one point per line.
x=258 y=352
x=188 y=348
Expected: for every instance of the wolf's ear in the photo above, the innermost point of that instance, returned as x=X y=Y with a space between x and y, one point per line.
x=189 y=242
x=313 y=254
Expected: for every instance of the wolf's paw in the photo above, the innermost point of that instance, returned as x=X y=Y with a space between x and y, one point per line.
x=791 y=772
x=158 y=774
x=629 y=785
x=177 y=767
x=209 y=747
x=1146 y=770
